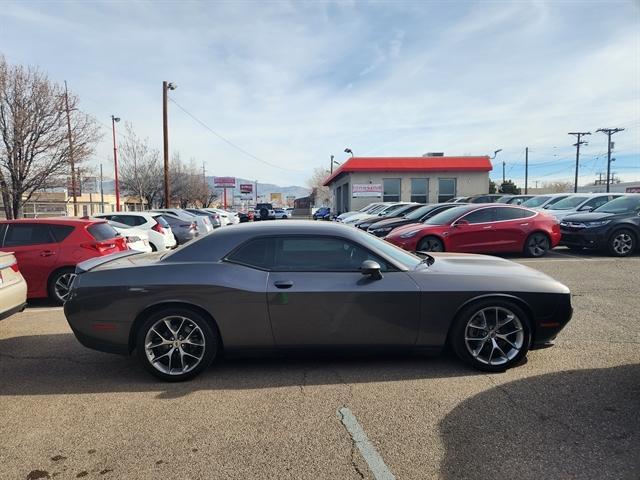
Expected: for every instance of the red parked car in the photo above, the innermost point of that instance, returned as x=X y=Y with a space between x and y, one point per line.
x=482 y=229
x=48 y=250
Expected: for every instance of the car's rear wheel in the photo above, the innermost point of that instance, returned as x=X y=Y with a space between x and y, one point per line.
x=491 y=335
x=537 y=245
x=60 y=285
x=176 y=344
x=431 y=244
x=622 y=243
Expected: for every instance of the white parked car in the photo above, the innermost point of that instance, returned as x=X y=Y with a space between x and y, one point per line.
x=13 y=288
x=383 y=210
x=281 y=213
x=226 y=217
x=137 y=239
x=545 y=201
x=579 y=203
x=161 y=237
x=204 y=224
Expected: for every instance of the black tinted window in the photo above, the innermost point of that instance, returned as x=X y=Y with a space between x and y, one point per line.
x=481 y=216
x=317 y=254
x=255 y=253
x=512 y=213
x=20 y=234
x=102 y=231
x=60 y=232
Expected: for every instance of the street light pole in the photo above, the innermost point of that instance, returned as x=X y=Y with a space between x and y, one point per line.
x=166 y=86
x=115 y=119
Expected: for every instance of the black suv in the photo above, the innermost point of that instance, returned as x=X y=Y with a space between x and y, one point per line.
x=264 y=211
x=614 y=226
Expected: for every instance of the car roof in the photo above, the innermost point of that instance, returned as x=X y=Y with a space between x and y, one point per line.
x=58 y=220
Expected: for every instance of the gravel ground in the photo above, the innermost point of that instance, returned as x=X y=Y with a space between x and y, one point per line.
x=570 y=411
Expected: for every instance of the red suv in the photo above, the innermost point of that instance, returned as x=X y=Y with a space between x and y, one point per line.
x=48 y=250
x=482 y=229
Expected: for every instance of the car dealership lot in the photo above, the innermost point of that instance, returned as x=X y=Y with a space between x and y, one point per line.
x=569 y=412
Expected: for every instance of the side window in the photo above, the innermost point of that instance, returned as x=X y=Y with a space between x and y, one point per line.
x=320 y=254
x=510 y=213
x=20 y=234
x=481 y=216
x=60 y=232
x=255 y=253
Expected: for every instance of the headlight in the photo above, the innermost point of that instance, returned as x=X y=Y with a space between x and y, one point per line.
x=599 y=223
x=382 y=229
x=409 y=234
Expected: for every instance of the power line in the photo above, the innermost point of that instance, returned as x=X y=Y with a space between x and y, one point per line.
x=229 y=142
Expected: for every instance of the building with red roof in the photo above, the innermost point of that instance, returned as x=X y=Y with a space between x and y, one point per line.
x=428 y=179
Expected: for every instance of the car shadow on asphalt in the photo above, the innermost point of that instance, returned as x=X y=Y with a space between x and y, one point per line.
x=58 y=364
x=572 y=424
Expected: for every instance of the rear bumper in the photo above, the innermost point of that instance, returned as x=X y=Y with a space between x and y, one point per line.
x=12 y=311
x=14 y=298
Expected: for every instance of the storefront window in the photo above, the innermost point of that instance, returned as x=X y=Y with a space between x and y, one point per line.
x=446 y=189
x=419 y=190
x=391 y=189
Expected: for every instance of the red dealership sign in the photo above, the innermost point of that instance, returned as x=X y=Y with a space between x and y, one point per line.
x=224 y=182
x=246 y=188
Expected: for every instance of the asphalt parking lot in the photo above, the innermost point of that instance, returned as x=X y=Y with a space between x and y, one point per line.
x=570 y=411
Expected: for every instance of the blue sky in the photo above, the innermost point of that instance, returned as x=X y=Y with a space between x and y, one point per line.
x=294 y=82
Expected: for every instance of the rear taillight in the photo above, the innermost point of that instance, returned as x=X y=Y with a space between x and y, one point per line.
x=14 y=267
x=158 y=228
x=193 y=227
x=102 y=247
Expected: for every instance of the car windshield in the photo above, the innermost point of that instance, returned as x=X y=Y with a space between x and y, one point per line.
x=392 y=209
x=629 y=204
x=448 y=216
x=118 y=224
x=568 y=203
x=401 y=256
x=535 y=201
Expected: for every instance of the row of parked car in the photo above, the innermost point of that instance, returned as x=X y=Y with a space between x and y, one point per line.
x=532 y=225
x=38 y=257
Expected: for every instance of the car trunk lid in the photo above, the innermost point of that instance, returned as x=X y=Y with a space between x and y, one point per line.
x=127 y=258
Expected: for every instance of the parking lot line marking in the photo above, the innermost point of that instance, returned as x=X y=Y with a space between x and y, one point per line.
x=367 y=450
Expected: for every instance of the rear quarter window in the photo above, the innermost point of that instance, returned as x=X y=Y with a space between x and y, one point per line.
x=102 y=231
x=60 y=232
x=161 y=220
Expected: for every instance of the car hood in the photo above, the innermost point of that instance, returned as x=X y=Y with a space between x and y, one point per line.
x=592 y=216
x=464 y=271
x=392 y=222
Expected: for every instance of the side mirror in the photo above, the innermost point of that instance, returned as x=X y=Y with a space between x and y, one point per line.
x=461 y=223
x=586 y=209
x=371 y=268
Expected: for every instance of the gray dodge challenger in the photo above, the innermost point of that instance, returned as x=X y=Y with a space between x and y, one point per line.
x=278 y=287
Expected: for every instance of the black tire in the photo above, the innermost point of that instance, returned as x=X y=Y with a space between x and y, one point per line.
x=471 y=314
x=61 y=277
x=264 y=214
x=622 y=243
x=431 y=244
x=537 y=245
x=206 y=333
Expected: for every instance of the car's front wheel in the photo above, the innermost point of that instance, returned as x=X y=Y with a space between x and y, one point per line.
x=622 y=243
x=431 y=244
x=176 y=344
x=491 y=335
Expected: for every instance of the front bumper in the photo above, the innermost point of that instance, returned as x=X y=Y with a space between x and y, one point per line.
x=548 y=328
x=584 y=237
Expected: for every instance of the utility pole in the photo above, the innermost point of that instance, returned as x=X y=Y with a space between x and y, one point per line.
x=73 y=168
x=115 y=119
x=331 y=167
x=256 y=188
x=504 y=179
x=166 y=86
x=526 y=170
x=609 y=132
x=577 y=145
x=101 y=191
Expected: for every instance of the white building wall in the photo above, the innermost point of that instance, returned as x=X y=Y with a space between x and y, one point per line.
x=467 y=183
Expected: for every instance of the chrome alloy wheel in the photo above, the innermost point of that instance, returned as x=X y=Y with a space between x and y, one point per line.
x=174 y=345
x=494 y=335
x=62 y=286
x=622 y=243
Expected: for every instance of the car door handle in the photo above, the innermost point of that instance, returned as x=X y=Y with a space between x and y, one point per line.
x=283 y=284
x=47 y=253
x=487 y=228
x=524 y=224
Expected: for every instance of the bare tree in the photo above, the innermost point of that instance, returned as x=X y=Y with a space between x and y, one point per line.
x=315 y=182
x=188 y=187
x=140 y=168
x=557 y=186
x=34 y=149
